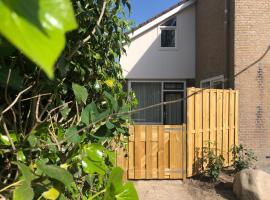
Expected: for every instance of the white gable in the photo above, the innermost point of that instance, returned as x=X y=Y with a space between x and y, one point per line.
x=145 y=58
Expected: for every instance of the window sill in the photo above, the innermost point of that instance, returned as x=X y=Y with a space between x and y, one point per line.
x=168 y=49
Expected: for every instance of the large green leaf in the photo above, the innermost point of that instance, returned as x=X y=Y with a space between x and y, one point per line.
x=27 y=174
x=93 y=159
x=91 y=114
x=72 y=135
x=115 y=188
x=80 y=93
x=23 y=192
x=112 y=100
x=37 y=28
x=56 y=172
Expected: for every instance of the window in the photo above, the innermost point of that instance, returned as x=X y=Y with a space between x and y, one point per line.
x=150 y=93
x=147 y=94
x=168 y=33
x=215 y=82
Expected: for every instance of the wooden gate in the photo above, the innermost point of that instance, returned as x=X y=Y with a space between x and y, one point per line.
x=155 y=152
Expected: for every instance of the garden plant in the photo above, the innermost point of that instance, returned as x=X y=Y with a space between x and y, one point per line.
x=63 y=109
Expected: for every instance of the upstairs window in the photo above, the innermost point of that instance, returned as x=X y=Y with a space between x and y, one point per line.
x=168 y=33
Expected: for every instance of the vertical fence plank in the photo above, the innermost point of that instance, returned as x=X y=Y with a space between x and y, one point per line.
x=148 y=152
x=166 y=153
x=213 y=117
x=198 y=129
x=226 y=128
x=161 y=155
x=131 y=156
x=231 y=124
x=190 y=132
x=236 y=126
x=219 y=121
x=206 y=120
x=172 y=154
x=139 y=152
x=184 y=152
x=179 y=152
x=154 y=152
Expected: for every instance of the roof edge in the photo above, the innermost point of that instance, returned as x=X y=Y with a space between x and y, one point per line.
x=143 y=27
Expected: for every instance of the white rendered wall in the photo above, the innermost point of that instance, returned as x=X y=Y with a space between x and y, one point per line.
x=146 y=60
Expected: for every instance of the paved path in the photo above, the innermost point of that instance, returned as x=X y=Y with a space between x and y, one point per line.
x=162 y=190
x=175 y=190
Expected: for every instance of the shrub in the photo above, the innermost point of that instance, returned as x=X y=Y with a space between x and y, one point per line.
x=214 y=163
x=244 y=158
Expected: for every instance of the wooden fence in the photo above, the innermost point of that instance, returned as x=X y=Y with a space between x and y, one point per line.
x=212 y=115
x=155 y=152
x=176 y=151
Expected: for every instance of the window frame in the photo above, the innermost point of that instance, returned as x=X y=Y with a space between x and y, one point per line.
x=174 y=28
x=212 y=80
x=162 y=96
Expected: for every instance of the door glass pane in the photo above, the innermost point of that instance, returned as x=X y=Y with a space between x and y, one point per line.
x=173 y=86
x=147 y=94
x=173 y=113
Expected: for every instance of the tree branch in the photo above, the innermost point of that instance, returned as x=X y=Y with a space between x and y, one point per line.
x=82 y=42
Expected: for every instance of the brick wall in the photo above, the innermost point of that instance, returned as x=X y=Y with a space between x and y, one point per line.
x=251 y=39
x=211 y=41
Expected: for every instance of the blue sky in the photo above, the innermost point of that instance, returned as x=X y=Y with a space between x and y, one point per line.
x=145 y=9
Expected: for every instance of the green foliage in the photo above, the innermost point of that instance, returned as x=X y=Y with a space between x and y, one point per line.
x=115 y=188
x=80 y=93
x=22 y=192
x=244 y=158
x=34 y=26
x=214 y=163
x=63 y=131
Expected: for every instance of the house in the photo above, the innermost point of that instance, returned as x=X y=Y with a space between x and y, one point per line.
x=205 y=43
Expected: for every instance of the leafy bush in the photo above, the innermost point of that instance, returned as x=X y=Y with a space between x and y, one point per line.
x=57 y=136
x=244 y=158
x=214 y=163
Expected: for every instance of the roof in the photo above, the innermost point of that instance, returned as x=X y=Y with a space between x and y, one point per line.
x=181 y=5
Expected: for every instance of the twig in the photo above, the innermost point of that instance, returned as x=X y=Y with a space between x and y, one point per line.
x=54 y=137
x=58 y=107
x=16 y=99
x=33 y=97
x=7 y=99
x=11 y=185
x=38 y=117
x=97 y=194
x=8 y=135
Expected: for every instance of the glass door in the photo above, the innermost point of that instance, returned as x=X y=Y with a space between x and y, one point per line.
x=173 y=113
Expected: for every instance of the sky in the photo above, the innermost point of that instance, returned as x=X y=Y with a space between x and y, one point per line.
x=143 y=10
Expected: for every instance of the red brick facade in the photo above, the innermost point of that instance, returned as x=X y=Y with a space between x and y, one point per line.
x=251 y=39
x=229 y=46
x=211 y=42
